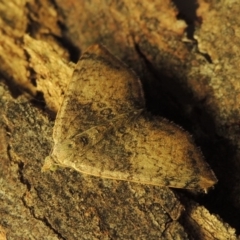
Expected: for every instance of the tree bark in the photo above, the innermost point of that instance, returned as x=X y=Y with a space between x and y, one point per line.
x=193 y=83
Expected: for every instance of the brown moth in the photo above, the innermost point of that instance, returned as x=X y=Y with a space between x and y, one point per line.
x=103 y=129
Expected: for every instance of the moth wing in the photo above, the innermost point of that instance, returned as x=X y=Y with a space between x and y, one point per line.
x=101 y=88
x=146 y=150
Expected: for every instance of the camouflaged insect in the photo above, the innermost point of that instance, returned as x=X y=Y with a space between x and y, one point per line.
x=103 y=129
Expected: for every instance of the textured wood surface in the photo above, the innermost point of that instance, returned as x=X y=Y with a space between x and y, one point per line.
x=194 y=84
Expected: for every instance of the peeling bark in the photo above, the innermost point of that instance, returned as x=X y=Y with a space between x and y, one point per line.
x=179 y=83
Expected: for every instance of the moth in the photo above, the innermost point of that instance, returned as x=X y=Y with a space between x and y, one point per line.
x=104 y=130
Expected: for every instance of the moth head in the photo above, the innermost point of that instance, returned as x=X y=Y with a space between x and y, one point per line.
x=62 y=151
x=59 y=155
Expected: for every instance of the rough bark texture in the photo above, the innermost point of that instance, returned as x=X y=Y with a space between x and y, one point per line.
x=194 y=84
